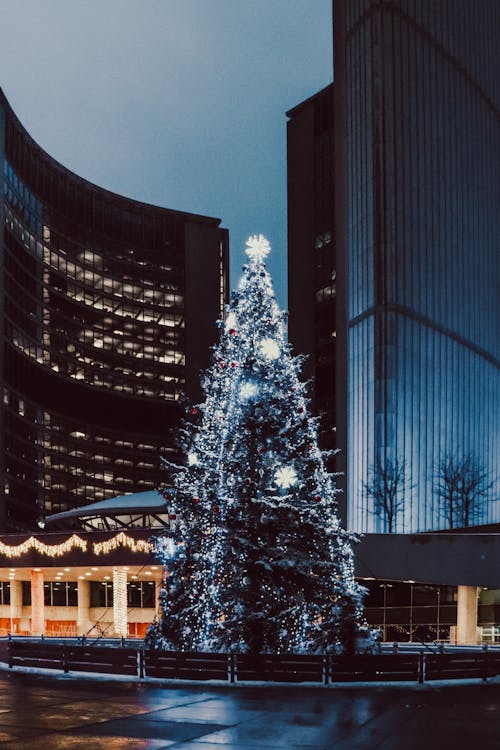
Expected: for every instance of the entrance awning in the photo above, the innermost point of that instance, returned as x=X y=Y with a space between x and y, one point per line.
x=141 y=509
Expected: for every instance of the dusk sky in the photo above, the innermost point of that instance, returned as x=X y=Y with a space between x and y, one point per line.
x=180 y=103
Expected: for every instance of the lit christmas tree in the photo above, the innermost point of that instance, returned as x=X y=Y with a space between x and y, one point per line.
x=257 y=561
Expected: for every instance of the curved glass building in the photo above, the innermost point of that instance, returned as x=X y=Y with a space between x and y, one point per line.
x=108 y=310
x=414 y=257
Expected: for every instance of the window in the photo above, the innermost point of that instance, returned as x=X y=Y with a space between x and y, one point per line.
x=141 y=594
x=101 y=594
x=4 y=592
x=26 y=593
x=60 y=594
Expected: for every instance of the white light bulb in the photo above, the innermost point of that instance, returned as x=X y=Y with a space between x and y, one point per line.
x=248 y=390
x=257 y=247
x=269 y=349
x=230 y=321
x=285 y=477
x=168 y=548
x=192 y=459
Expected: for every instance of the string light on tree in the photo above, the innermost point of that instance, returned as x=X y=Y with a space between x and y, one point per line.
x=246 y=513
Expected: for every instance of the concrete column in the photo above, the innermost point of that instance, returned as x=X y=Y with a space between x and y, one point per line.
x=83 y=623
x=37 y=603
x=467 y=615
x=120 y=602
x=16 y=603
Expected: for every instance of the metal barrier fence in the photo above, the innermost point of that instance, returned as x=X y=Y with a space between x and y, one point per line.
x=292 y=668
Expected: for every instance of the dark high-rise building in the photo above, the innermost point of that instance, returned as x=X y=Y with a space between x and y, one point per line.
x=311 y=250
x=107 y=314
x=414 y=256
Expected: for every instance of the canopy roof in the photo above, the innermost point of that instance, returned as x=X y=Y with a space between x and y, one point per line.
x=139 y=509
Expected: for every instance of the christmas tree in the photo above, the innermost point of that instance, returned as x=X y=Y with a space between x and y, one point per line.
x=257 y=560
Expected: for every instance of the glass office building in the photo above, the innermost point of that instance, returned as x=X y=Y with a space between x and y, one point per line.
x=108 y=310
x=416 y=190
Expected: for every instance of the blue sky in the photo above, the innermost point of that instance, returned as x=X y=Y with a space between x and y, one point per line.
x=175 y=102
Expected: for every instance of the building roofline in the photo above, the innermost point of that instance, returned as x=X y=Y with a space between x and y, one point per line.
x=132 y=202
x=303 y=105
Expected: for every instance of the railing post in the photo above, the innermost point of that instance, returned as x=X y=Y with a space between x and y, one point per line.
x=485 y=660
x=328 y=668
x=64 y=660
x=232 y=667
x=421 y=668
x=140 y=662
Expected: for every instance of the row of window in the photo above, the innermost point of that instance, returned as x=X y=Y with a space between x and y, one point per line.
x=77 y=200
x=65 y=594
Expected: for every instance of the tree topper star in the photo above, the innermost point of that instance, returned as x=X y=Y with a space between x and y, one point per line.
x=257 y=247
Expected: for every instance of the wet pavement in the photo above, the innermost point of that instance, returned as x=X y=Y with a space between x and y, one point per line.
x=50 y=713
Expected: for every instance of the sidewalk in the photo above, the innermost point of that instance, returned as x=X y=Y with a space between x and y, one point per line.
x=51 y=713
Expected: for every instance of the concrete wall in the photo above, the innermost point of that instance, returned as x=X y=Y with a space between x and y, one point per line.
x=448 y=559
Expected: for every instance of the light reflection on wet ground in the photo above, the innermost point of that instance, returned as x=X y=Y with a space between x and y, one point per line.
x=45 y=713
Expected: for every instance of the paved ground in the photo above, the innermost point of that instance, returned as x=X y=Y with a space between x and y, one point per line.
x=50 y=713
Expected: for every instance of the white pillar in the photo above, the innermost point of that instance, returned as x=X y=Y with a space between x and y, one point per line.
x=37 y=603
x=83 y=623
x=120 y=602
x=16 y=604
x=467 y=615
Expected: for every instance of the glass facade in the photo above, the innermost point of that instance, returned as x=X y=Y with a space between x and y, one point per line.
x=422 y=224
x=415 y=196
x=412 y=612
x=103 y=329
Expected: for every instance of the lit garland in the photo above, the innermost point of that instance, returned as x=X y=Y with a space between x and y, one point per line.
x=51 y=550
x=120 y=602
x=121 y=540
x=74 y=542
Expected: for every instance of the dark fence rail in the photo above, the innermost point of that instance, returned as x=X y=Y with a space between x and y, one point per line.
x=375 y=668
x=280 y=668
x=186 y=666
x=292 y=668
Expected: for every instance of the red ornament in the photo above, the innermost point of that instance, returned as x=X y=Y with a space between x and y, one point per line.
x=232 y=331
x=317 y=498
x=172 y=516
x=233 y=364
x=196 y=500
x=194 y=410
x=216 y=509
x=300 y=410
